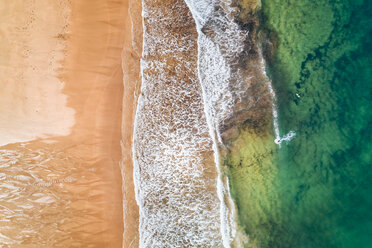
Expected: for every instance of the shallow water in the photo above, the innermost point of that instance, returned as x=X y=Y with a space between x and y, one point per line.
x=315 y=191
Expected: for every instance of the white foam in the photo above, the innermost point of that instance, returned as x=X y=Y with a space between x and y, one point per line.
x=174 y=190
x=291 y=134
x=220 y=43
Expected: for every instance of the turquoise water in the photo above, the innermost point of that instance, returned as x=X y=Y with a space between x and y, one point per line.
x=316 y=190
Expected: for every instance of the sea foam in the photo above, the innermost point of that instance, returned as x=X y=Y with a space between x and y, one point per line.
x=220 y=42
x=291 y=134
x=174 y=167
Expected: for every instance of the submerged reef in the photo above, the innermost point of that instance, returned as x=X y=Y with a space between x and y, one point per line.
x=313 y=191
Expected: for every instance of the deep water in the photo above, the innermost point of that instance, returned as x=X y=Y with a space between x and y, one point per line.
x=314 y=191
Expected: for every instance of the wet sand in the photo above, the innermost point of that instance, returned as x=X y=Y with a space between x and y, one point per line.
x=93 y=76
x=66 y=190
x=132 y=80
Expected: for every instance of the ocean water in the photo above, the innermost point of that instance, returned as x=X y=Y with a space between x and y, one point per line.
x=314 y=190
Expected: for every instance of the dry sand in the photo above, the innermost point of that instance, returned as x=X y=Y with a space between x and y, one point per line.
x=70 y=123
x=31 y=103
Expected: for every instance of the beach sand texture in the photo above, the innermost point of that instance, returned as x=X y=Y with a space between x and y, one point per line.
x=61 y=125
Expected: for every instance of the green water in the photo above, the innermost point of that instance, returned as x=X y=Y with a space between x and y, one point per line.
x=315 y=191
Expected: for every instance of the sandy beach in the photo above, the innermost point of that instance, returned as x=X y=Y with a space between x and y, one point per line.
x=62 y=111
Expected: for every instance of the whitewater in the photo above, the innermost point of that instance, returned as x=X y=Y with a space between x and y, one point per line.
x=198 y=84
x=174 y=166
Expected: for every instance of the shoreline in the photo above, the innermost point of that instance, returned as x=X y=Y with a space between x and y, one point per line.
x=131 y=54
